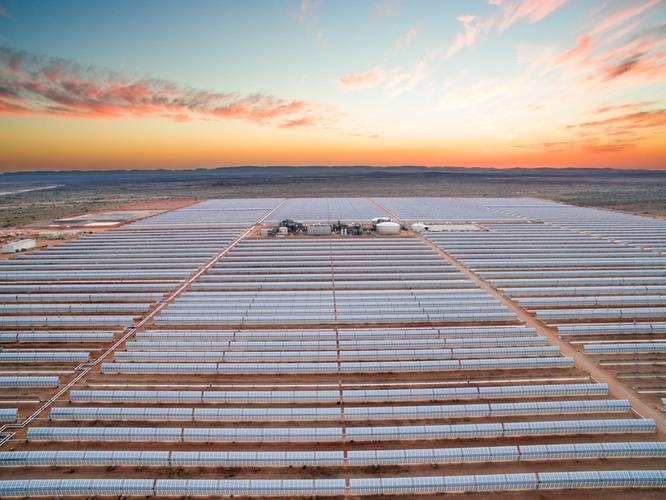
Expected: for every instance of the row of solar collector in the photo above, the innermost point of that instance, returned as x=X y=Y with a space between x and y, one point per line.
x=602 y=313
x=626 y=348
x=17 y=382
x=647 y=328
x=43 y=356
x=335 y=262
x=328 y=246
x=328 y=414
x=151 y=236
x=603 y=301
x=86 y=287
x=110 y=264
x=207 y=283
x=191 y=302
x=491 y=454
x=183 y=253
x=585 y=290
x=39 y=258
x=323 y=304
x=592 y=262
x=207 y=311
x=96 y=321
x=148 y=238
x=372 y=251
x=336 y=396
x=93 y=275
x=178 y=342
x=336 y=434
x=127 y=232
x=387 y=273
x=539 y=283
x=506 y=234
x=342 y=334
x=129 y=251
x=142 y=245
x=80 y=297
x=8 y=414
x=299 y=318
x=528 y=244
x=339 y=294
x=343 y=367
x=53 y=336
x=75 y=307
x=327 y=345
x=338 y=268
x=489 y=255
x=574 y=273
x=295 y=356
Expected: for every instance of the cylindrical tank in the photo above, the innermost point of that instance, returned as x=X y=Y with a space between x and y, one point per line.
x=419 y=227
x=388 y=228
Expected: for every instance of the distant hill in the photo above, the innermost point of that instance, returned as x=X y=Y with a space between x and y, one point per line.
x=265 y=173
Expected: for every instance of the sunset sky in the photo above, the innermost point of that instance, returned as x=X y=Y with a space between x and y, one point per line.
x=182 y=84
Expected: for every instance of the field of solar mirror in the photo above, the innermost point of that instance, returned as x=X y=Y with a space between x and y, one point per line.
x=485 y=345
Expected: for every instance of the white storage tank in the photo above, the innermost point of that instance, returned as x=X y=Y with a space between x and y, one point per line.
x=18 y=246
x=379 y=220
x=419 y=227
x=388 y=228
x=319 y=229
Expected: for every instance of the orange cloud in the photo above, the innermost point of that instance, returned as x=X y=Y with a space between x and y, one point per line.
x=512 y=11
x=583 y=46
x=365 y=79
x=532 y=10
x=621 y=16
x=629 y=122
x=602 y=59
x=35 y=85
x=638 y=65
x=624 y=107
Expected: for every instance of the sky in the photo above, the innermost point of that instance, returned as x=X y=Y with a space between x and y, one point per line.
x=197 y=83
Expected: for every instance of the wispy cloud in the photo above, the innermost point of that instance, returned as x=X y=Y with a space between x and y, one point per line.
x=473 y=28
x=408 y=80
x=627 y=122
x=406 y=40
x=642 y=57
x=304 y=10
x=632 y=106
x=362 y=80
x=32 y=84
x=614 y=48
x=621 y=16
x=530 y=10
x=512 y=11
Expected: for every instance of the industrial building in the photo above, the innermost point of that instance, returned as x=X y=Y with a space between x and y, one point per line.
x=518 y=348
x=18 y=246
